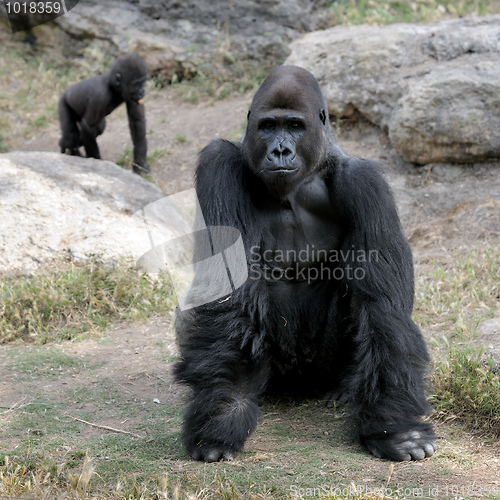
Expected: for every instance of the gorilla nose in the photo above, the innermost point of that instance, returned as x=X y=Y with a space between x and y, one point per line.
x=281 y=151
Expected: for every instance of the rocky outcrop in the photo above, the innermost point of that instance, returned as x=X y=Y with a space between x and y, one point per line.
x=434 y=88
x=64 y=208
x=177 y=39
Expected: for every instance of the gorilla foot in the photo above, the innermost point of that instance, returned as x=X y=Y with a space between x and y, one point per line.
x=214 y=453
x=141 y=169
x=403 y=446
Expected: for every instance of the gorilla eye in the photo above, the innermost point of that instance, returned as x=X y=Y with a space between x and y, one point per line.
x=296 y=125
x=266 y=125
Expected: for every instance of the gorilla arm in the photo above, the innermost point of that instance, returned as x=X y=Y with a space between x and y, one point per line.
x=137 y=122
x=387 y=386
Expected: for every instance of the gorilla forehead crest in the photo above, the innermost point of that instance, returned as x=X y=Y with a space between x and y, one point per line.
x=289 y=87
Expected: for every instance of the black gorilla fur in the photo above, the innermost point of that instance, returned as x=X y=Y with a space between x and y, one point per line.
x=349 y=332
x=84 y=106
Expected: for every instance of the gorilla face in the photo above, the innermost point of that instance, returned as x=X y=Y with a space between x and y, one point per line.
x=280 y=133
x=288 y=132
x=128 y=76
x=135 y=91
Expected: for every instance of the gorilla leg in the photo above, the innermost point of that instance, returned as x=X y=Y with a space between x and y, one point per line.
x=89 y=135
x=223 y=415
x=75 y=152
x=226 y=384
x=71 y=136
x=100 y=127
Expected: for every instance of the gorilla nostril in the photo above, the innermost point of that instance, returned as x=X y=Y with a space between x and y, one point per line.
x=281 y=152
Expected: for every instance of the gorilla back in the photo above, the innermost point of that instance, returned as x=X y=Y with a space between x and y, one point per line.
x=329 y=295
x=84 y=106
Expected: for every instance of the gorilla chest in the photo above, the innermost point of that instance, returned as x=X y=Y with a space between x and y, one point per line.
x=303 y=230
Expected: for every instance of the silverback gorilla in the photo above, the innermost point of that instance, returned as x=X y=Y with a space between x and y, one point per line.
x=328 y=300
x=84 y=106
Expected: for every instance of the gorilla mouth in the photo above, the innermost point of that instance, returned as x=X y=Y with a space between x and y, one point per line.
x=284 y=170
x=280 y=166
x=279 y=170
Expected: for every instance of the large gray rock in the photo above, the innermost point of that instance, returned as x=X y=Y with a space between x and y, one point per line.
x=177 y=38
x=57 y=208
x=434 y=88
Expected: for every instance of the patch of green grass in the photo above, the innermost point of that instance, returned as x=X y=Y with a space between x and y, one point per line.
x=459 y=295
x=49 y=361
x=45 y=428
x=466 y=388
x=454 y=297
x=156 y=155
x=169 y=357
x=59 y=448
x=40 y=121
x=65 y=303
x=3 y=145
x=411 y=11
x=126 y=160
x=180 y=138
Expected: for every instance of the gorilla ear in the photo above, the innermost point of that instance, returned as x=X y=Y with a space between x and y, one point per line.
x=322 y=116
x=117 y=79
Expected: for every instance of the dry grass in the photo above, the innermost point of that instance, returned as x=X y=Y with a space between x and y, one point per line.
x=17 y=482
x=453 y=298
x=68 y=302
x=395 y=11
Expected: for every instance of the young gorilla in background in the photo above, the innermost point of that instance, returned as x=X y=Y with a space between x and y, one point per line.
x=84 y=106
x=328 y=301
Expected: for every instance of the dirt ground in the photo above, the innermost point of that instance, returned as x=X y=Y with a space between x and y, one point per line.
x=443 y=208
x=133 y=359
